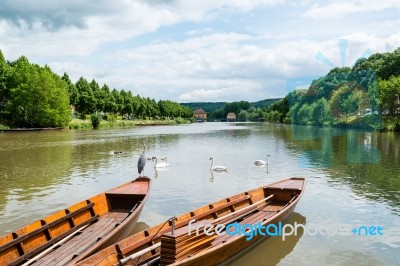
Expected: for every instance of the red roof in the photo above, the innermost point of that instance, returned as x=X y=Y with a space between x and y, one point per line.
x=231 y=115
x=199 y=111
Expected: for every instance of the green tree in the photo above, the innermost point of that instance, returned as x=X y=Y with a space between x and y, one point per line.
x=127 y=108
x=72 y=91
x=304 y=115
x=98 y=95
x=336 y=101
x=86 y=102
x=243 y=115
x=4 y=89
x=96 y=119
x=389 y=91
x=118 y=101
x=38 y=98
x=320 y=114
x=109 y=101
x=235 y=107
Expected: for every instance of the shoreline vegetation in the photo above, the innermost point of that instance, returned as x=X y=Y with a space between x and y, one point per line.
x=365 y=96
x=83 y=124
x=32 y=96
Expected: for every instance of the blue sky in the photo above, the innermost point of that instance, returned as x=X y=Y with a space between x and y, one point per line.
x=221 y=50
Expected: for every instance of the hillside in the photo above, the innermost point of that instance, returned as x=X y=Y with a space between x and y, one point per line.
x=364 y=96
x=207 y=106
x=215 y=106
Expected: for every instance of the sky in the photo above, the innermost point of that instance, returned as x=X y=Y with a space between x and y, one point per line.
x=190 y=51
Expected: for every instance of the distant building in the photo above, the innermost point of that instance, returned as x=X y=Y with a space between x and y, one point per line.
x=200 y=115
x=231 y=117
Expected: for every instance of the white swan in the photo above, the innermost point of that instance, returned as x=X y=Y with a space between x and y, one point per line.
x=160 y=165
x=218 y=167
x=261 y=162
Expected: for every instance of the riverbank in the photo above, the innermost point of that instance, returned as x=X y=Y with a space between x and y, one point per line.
x=85 y=124
x=383 y=123
x=2 y=126
x=81 y=124
x=391 y=123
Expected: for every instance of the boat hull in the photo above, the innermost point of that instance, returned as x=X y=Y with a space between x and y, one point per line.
x=146 y=247
x=72 y=234
x=231 y=248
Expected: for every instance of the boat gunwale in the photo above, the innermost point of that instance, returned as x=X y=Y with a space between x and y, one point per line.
x=235 y=238
x=43 y=230
x=121 y=226
x=117 y=248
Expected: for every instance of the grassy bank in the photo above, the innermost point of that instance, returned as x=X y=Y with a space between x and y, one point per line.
x=2 y=126
x=391 y=123
x=81 y=124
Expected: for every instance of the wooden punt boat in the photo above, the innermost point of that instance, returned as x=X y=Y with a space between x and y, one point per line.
x=157 y=245
x=74 y=233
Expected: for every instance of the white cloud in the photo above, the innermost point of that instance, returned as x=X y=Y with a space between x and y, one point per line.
x=201 y=55
x=221 y=67
x=339 y=9
x=202 y=95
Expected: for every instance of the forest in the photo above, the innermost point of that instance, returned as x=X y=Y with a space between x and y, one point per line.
x=35 y=96
x=244 y=110
x=364 y=96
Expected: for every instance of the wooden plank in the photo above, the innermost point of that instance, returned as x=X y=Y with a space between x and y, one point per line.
x=134 y=188
x=40 y=255
x=178 y=247
x=73 y=246
x=254 y=218
x=49 y=243
x=292 y=183
x=145 y=240
x=11 y=253
x=44 y=227
x=85 y=240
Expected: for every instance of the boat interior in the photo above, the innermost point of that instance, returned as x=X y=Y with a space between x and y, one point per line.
x=65 y=234
x=157 y=245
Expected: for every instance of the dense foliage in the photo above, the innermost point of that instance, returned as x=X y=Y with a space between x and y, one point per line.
x=264 y=103
x=244 y=110
x=363 y=96
x=34 y=96
x=208 y=107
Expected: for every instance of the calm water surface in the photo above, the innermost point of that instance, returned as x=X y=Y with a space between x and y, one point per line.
x=353 y=180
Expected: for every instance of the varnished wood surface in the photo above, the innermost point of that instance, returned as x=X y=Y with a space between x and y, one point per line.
x=103 y=219
x=286 y=195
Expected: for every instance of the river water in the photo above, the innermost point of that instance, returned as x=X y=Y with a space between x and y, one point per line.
x=353 y=180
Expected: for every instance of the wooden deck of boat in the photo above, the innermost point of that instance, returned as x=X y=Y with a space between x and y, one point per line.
x=258 y=216
x=292 y=183
x=266 y=204
x=65 y=252
x=174 y=250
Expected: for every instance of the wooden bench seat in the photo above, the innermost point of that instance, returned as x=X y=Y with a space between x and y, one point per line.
x=67 y=251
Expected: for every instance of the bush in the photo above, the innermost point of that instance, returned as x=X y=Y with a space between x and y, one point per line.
x=287 y=120
x=96 y=119
x=180 y=120
x=391 y=123
x=80 y=124
x=3 y=126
